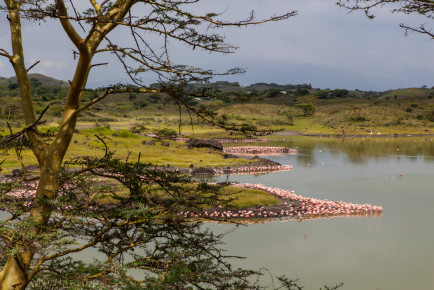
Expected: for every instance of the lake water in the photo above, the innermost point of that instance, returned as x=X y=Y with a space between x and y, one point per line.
x=391 y=251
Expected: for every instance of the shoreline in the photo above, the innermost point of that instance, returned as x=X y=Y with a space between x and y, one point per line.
x=402 y=135
x=291 y=206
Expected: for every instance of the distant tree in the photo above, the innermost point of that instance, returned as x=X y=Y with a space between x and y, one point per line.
x=272 y=93
x=302 y=92
x=340 y=93
x=9 y=108
x=34 y=82
x=324 y=94
x=243 y=97
x=330 y=94
x=155 y=98
x=132 y=97
x=308 y=109
x=140 y=104
x=13 y=86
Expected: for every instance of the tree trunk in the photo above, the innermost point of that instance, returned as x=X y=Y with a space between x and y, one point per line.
x=15 y=274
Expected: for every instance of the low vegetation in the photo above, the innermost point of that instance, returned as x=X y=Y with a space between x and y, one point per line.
x=298 y=108
x=126 y=121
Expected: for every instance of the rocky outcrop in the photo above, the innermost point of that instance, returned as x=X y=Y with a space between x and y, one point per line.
x=207 y=143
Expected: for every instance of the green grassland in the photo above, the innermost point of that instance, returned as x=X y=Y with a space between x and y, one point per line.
x=125 y=120
x=129 y=145
x=126 y=123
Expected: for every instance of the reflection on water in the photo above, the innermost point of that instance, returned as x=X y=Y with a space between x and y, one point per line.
x=393 y=251
x=360 y=150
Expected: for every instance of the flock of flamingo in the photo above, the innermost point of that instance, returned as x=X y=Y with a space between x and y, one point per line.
x=228 y=140
x=255 y=150
x=292 y=206
x=295 y=206
x=251 y=169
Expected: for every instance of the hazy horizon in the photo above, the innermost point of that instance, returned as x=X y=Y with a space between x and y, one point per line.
x=323 y=45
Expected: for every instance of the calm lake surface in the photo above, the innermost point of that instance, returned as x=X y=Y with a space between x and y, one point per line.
x=391 y=251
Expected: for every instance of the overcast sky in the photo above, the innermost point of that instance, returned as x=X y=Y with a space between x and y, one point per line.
x=323 y=45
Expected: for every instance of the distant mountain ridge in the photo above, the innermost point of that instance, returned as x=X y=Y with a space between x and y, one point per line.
x=45 y=81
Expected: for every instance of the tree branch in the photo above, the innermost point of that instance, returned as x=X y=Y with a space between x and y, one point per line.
x=421 y=30
x=67 y=26
x=28 y=128
x=5 y=54
x=33 y=65
x=69 y=251
x=110 y=91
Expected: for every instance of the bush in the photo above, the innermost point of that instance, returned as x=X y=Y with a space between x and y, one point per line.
x=126 y=134
x=140 y=104
x=430 y=116
x=288 y=117
x=166 y=133
x=409 y=109
x=57 y=112
x=102 y=130
x=308 y=109
x=358 y=119
x=273 y=93
x=49 y=130
x=138 y=128
x=302 y=92
x=13 y=86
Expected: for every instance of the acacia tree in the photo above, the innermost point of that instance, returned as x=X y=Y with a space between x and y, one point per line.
x=42 y=231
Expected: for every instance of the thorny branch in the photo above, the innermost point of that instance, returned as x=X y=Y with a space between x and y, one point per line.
x=31 y=127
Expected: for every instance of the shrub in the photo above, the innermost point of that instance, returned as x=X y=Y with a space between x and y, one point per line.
x=126 y=134
x=104 y=121
x=166 y=133
x=302 y=92
x=308 y=109
x=57 y=112
x=140 y=104
x=102 y=130
x=287 y=116
x=138 y=128
x=273 y=93
x=49 y=130
x=409 y=109
x=430 y=116
x=358 y=119
x=13 y=86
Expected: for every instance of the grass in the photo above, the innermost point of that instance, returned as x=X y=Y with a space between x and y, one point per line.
x=243 y=197
x=128 y=145
x=388 y=114
x=246 y=198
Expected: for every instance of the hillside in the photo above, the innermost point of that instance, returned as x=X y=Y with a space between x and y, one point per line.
x=44 y=80
x=299 y=108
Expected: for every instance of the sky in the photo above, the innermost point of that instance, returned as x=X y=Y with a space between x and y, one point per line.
x=323 y=45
